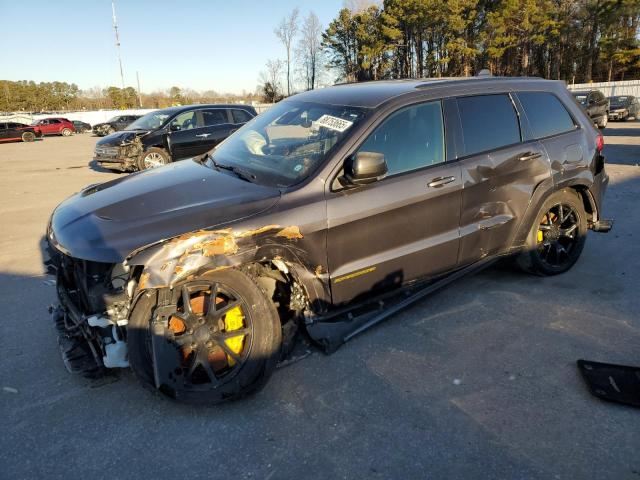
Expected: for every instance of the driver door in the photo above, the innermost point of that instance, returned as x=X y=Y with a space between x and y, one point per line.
x=183 y=135
x=405 y=226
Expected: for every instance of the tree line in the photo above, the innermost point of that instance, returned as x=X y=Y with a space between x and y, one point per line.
x=575 y=40
x=29 y=96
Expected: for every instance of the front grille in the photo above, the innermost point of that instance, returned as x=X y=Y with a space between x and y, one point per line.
x=106 y=152
x=87 y=284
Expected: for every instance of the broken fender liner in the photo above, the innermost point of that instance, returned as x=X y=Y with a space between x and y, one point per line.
x=613 y=383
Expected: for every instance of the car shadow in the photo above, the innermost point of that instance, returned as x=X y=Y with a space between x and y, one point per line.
x=96 y=167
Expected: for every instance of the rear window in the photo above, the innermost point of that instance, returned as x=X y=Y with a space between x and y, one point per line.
x=240 y=116
x=488 y=122
x=547 y=115
x=214 y=117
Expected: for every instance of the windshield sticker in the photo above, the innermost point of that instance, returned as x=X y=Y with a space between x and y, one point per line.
x=333 y=123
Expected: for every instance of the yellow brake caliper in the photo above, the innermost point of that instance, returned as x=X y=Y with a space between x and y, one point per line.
x=234 y=320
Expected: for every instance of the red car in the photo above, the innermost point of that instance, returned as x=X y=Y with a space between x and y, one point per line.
x=55 y=126
x=11 y=131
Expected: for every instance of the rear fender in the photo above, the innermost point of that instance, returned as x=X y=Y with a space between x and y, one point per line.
x=543 y=191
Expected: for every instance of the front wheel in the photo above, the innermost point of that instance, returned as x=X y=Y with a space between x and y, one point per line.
x=66 y=132
x=222 y=342
x=557 y=237
x=153 y=158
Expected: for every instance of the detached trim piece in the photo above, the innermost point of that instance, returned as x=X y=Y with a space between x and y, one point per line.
x=331 y=333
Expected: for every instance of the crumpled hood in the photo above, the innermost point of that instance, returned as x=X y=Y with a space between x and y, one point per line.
x=118 y=138
x=106 y=222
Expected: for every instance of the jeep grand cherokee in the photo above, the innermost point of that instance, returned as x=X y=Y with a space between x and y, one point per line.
x=329 y=212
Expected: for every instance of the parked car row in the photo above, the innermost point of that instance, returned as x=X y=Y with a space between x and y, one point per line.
x=602 y=109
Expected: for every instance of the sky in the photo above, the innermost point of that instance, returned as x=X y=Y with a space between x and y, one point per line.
x=219 y=45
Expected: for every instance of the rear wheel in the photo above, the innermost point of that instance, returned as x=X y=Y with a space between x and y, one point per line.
x=28 y=137
x=224 y=338
x=557 y=237
x=66 y=132
x=152 y=158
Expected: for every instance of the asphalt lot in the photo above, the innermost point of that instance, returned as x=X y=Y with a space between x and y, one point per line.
x=476 y=381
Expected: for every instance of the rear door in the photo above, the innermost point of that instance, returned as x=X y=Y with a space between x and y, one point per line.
x=404 y=226
x=183 y=138
x=557 y=131
x=14 y=130
x=501 y=167
x=217 y=125
x=54 y=126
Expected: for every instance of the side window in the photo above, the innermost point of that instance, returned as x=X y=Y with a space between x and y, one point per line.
x=214 y=117
x=410 y=138
x=240 y=116
x=186 y=120
x=547 y=115
x=488 y=122
x=54 y=121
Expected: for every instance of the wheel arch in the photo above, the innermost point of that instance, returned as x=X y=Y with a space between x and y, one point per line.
x=543 y=191
x=167 y=263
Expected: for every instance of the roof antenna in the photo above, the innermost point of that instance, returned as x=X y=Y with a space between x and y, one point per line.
x=485 y=72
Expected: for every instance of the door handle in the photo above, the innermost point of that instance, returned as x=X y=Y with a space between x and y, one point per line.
x=441 y=181
x=203 y=135
x=530 y=156
x=233 y=130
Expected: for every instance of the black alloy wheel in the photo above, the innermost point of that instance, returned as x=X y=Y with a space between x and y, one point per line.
x=557 y=235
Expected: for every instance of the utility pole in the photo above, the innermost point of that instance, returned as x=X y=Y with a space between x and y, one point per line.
x=139 y=92
x=115 y=28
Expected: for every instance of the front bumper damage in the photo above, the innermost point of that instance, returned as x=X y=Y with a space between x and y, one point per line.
x=92 y=314
x=123 y=157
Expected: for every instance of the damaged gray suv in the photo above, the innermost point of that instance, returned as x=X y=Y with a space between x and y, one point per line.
x=329 y=212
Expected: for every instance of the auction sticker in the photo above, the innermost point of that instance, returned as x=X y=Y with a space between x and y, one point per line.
x=333 y=123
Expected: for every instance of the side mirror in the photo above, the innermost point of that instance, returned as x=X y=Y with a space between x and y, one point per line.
x=175 y=128
x=364 y=168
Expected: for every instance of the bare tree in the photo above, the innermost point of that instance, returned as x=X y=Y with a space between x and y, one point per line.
x=270 y=81
x=309 y=50
x=286 y=32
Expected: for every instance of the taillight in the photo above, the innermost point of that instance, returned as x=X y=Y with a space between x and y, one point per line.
x=599 y=142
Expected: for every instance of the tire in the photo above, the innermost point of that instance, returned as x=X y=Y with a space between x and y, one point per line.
x=537 y=258
x=153 y=157
x=602 y=124
x=260 y=351
x=28 y=137
x=66 y=132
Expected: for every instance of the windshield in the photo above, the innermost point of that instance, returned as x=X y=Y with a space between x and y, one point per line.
x=619 y=101
x=113 y=120
x=581 y=98
x=284 y=145
x=150 y=121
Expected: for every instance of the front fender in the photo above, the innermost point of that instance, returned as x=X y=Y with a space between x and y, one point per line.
x=180 y=258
